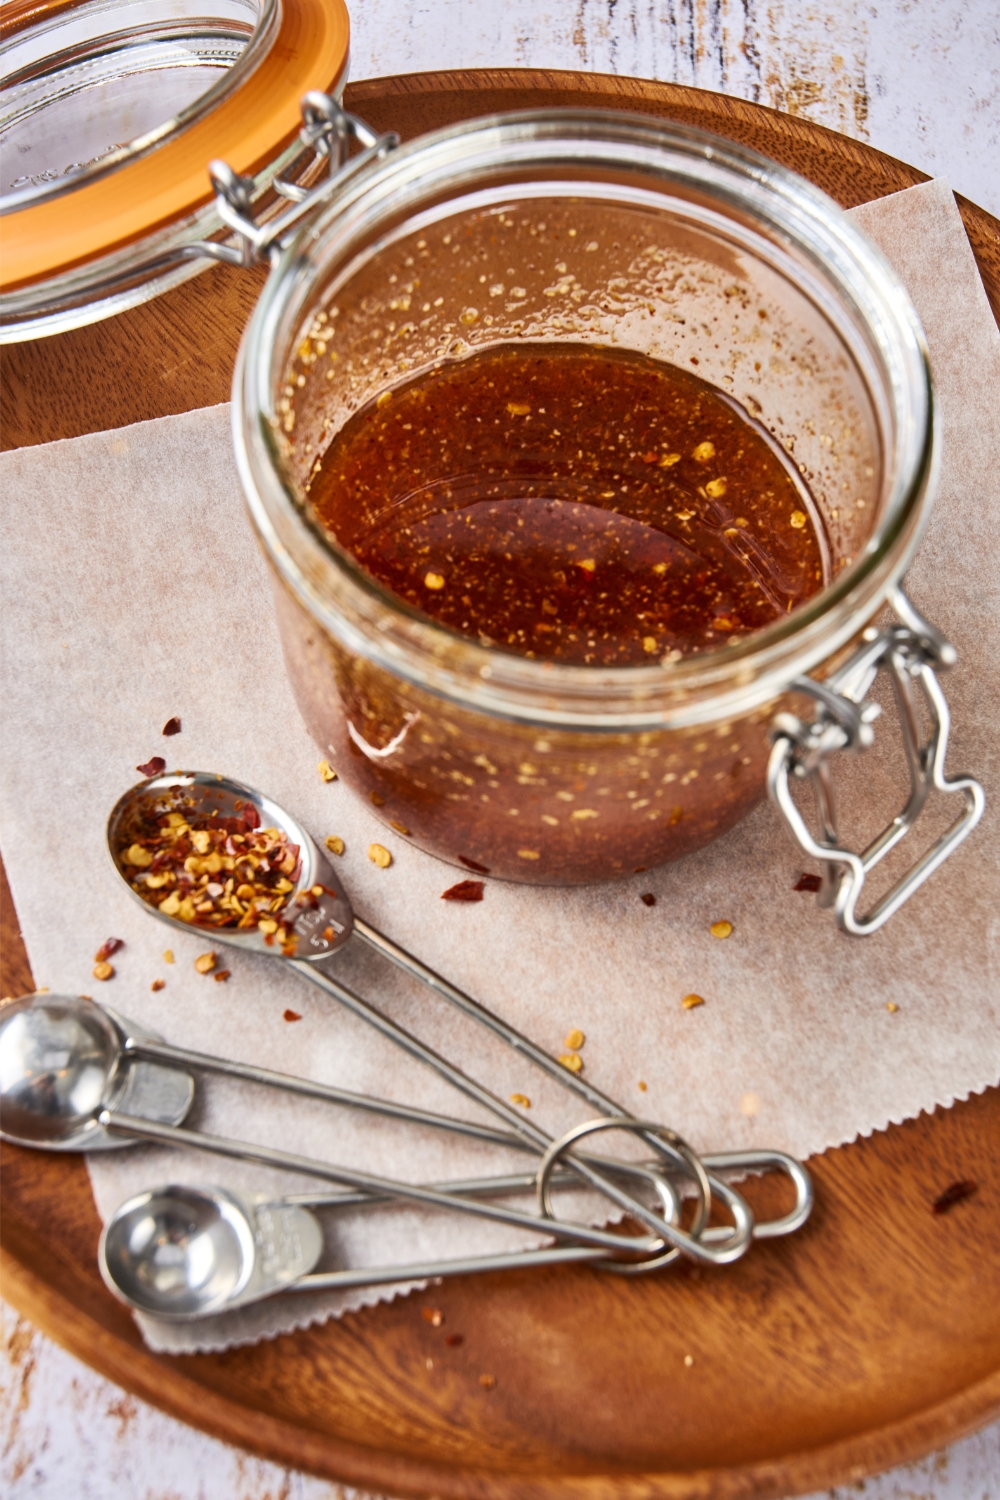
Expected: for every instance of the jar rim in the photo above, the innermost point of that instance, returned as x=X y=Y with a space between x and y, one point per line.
x=712 y=685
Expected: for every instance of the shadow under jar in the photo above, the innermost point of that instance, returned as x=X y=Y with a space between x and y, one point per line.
x=582 y=237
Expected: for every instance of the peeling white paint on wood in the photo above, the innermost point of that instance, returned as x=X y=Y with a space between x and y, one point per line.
x=920 y=81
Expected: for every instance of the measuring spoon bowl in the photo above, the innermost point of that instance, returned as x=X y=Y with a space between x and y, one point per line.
x=178 y=1253
x=62 y=1062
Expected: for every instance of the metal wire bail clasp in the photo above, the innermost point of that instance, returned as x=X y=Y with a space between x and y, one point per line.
x=326 y=136
x=912 y=651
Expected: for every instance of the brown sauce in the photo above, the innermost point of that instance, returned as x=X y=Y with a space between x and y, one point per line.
x=580 y=504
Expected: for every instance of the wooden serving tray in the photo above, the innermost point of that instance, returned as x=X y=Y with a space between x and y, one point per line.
x=867 y=1339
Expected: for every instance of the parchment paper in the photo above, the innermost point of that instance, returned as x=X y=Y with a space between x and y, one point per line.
x=134 y=592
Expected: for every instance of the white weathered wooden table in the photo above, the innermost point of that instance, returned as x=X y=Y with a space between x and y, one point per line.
x=921 y=82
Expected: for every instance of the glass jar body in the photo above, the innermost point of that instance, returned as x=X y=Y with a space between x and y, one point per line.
x=519 y=801
x=606 y=231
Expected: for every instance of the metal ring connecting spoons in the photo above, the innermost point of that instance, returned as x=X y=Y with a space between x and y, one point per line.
x=61 y=1088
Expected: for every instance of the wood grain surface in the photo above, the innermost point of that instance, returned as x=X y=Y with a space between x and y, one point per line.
x=869 y=1338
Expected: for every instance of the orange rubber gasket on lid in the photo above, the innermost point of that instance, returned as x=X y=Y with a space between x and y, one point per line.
x=247 y=130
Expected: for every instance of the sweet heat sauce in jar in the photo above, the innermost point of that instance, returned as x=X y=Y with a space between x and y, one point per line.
x=590 y=506
x=580 y=504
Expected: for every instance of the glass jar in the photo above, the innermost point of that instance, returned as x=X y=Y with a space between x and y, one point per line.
x=613 y=230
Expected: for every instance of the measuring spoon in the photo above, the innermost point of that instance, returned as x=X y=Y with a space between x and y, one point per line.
x=182 y=1253
x=61 y=1089
x=325 y=927
x=63 y=1058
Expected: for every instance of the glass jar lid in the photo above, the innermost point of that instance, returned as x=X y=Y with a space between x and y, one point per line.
x=110 y=111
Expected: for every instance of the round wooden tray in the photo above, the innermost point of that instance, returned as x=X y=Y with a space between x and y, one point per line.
x=867 y=1339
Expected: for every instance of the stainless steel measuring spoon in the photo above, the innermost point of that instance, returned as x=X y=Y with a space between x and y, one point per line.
x=64 y=1058
x=106 y=1052
x=326 y=924
x=182 y=1253
x=61 y=1088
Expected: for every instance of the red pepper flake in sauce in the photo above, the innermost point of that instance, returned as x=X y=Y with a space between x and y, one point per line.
x=648 y=899
x=432 y=1315
x=465 y=890
x=172 y=726
x=455 y=1340
x=109 y=946
x=601 y=530
x=954 y=1194
x=154 y=767
x=487 y=1382
x=292 y=1015
x=807 y=883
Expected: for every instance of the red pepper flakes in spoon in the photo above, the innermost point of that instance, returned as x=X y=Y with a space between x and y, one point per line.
x=216 y=871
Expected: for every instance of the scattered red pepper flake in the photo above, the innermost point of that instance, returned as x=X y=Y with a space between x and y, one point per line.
x=158 y=984
x=432 y=1315
x=109 y=946
x=472 y=864
x=172 y=726
x=292 y=1015
x=154 y=767
x=465 y=890
x=648 y=899
x=807 y=883
x=221 y=976
x=954 y=1194
x=205 y=962
x=455 y=1340
x=100 y=971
